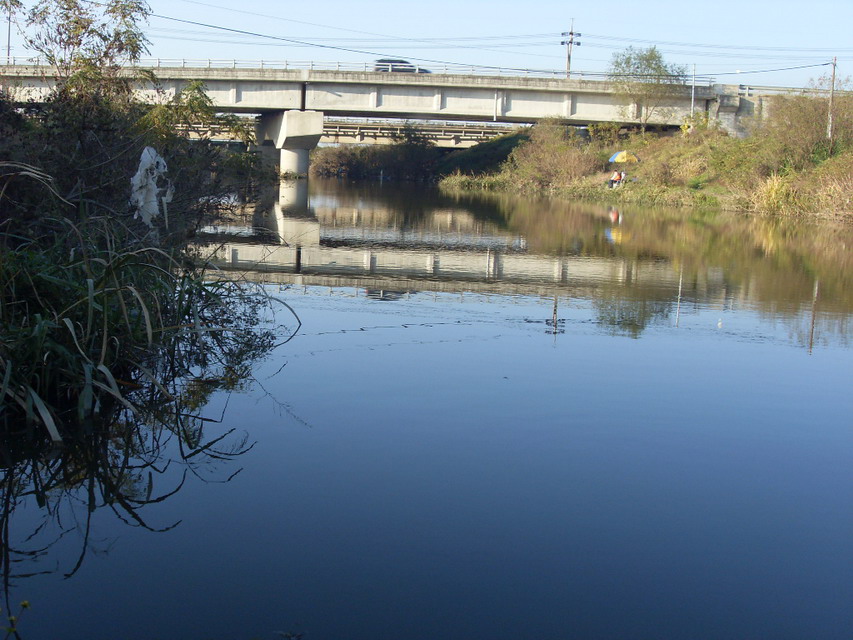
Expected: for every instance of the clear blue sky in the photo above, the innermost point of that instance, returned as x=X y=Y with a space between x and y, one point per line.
x=721 y=38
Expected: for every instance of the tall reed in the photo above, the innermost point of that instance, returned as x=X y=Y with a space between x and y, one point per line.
x=82 y=320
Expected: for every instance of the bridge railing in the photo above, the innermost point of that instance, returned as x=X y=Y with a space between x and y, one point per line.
x=754 y=89
x=455 y=69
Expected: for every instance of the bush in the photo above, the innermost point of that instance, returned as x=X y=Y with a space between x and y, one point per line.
x=777 y=194
x=482 y=158
x=350 y=161
x=91 y=296
x=553 y=157
x=410 y=157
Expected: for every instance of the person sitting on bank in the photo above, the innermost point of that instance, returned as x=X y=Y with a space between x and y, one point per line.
x=614 y=179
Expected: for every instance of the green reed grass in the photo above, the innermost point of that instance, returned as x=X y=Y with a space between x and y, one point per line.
x=81 y=319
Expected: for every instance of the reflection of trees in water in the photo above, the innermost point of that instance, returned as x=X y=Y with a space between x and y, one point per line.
x=135 y=452
x=122 y=467
x=409 y=203
x=629 y=316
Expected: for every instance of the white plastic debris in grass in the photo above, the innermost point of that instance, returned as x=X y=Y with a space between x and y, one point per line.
x=150 y=188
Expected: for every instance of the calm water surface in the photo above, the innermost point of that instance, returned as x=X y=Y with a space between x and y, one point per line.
x=500 y=419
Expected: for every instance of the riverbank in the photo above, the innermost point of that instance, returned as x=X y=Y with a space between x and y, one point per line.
x=701 y=167
x=792 y=161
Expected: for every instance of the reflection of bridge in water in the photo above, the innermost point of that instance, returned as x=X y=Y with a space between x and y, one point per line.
x=393 y=242
x=332 y=243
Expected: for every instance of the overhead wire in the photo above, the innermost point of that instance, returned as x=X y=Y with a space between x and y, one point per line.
x=435 y=42
x=719 y=46
x=314 y=24
x=307 y=43
x=549 y=38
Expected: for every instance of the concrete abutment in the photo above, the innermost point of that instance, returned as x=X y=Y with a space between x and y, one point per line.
x=294 y=134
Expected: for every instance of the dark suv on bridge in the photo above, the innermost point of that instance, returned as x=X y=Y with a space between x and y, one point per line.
x=399 y=66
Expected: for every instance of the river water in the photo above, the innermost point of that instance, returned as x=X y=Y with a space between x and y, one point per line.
x=500 y=418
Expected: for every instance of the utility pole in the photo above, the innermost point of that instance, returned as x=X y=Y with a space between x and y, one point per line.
x=693 y=93
x=9 y=38
x=569 y=44
x=831 y=96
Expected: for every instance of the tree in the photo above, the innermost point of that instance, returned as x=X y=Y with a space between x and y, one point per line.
x=76 y=36
x=646 y=82
x=11 y=7
x=412 y=156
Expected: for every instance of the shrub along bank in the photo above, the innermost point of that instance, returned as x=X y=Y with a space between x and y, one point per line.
x=786 y=164
x=412 y=156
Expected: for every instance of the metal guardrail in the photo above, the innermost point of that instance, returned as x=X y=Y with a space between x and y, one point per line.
x=355 y=67
x=747 y=90
x=453 y=69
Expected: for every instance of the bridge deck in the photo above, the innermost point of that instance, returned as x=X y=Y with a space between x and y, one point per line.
x=431 y=96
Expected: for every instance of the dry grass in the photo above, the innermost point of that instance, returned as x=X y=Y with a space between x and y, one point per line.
x=777 y=194
x=785 y=166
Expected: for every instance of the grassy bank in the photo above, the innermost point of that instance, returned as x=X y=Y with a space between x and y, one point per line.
x=785 y=165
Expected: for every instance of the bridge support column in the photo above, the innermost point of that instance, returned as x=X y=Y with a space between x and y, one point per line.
x=290 y=218
x=294 y=133
x=294 y=162
x=269 y=154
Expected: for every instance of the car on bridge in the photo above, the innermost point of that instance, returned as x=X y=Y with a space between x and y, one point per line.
x=399 y=66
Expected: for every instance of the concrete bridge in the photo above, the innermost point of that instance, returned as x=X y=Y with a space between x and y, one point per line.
x=455 y=135
x=291 y=103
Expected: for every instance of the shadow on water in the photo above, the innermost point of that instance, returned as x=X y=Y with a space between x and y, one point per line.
x=130 y=455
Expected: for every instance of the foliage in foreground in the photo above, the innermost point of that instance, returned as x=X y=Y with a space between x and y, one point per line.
x=93 y=294
x=87 y=322
x=111 y=337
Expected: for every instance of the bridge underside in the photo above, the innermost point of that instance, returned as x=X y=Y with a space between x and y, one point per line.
x=294 y=103
x=411 y=96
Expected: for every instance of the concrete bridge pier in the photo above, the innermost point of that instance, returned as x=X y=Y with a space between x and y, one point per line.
x=293 y=162
x=269 y=154
x=294 y=133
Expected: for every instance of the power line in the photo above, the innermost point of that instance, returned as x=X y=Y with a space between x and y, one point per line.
x=200 y=36
x=548 y=38
x=314 y=24
x=723 y=46
x=723 y=55
x=806 y=66
x=323 y=46
x=436 y=42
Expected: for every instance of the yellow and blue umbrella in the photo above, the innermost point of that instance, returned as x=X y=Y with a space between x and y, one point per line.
x=624 y=156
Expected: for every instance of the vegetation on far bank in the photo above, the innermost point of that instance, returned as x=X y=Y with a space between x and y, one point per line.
x=785 y=165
